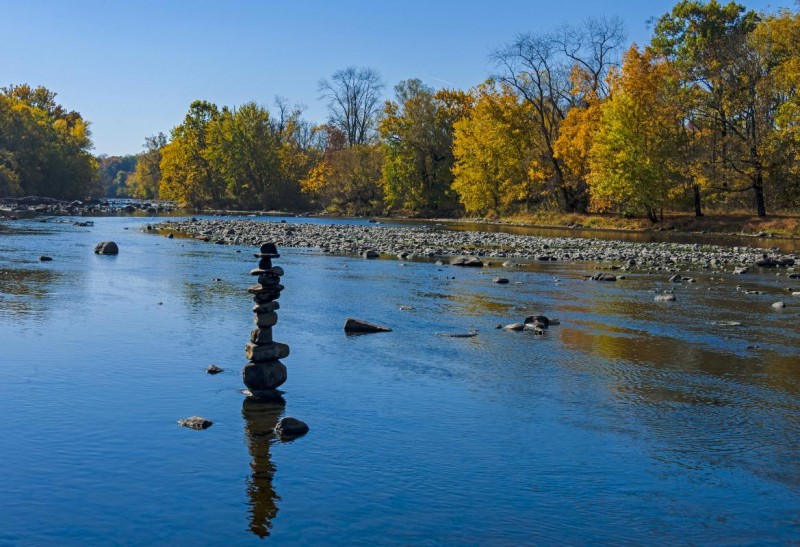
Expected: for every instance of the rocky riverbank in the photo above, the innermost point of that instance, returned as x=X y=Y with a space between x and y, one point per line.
x=425 y=242
x=29 y=206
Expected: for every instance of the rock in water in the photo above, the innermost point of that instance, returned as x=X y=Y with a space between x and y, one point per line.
x=358 y=326
x=500 y=280
x=467 y=261
x=214 y=369
x=604 y=277
x=371 y=254
x=779 y=305
x=106 y=248
x=45 y=259
x=665 y=298
x=264 y=376
x=196 y=422
x=290 y=428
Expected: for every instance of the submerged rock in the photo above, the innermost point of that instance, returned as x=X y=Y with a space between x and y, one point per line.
x=604 y=277
x=214 y=369
x=196 y=422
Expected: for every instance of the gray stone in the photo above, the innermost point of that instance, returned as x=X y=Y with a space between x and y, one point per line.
x=264 y=376
x=604 y=277
x=290 y=428
x=467 y=261
x=500 y=280
x=779 y=305
x=537 y=320
x=106 y=248
x=45 y=259
x=370 y=254
x=196 y=422
x=515 y=327
x=266 y=352
x=359 y=326
x=268 y=280
x=214 y=369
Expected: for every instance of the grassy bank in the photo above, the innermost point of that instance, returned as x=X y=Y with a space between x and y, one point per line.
x=779 y=225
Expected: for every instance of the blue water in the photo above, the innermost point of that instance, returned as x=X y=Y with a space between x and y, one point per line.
x=631 y=422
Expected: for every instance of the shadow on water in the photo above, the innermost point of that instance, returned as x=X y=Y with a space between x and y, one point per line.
x=261 y=417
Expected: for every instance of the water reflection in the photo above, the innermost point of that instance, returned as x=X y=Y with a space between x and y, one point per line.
x=261 y=417
x=23 y=290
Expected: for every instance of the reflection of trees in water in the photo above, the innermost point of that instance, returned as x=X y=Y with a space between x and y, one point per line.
x=697 y=405
x=261 y=417
x=204 y=295
x=30 y=285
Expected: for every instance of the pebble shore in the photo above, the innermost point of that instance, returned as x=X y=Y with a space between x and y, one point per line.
x=428 y=243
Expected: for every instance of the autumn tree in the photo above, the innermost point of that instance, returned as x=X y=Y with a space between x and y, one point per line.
x=711 y=45
x=347 y=179
x=538 y=67
x=500 y=166
x=44 y=148
x=634 y=157
x=145 y=181
x=417 y=135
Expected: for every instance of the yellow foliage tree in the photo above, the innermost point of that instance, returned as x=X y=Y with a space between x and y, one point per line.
x=498 y=161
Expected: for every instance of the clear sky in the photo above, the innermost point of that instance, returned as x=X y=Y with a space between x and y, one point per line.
x=133 y=67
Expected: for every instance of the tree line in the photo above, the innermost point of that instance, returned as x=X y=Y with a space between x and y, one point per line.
x=705 y=115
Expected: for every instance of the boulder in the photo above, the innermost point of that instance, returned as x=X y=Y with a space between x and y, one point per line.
x=675 y=279
x=269 y=250
x=290 y=428
x=196 y=422
x=266 y=352
x=264 y=376
x=45 y=259
x=370 y=254
x=779 y=305
x=214 y=369
x=500 y=280
x=106 y=248
x=359 y=326
x=467 y=261
x=604 y=277
x=741 y=271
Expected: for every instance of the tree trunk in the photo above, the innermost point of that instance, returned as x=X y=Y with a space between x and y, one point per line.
x=698 y=205
x=758 y=190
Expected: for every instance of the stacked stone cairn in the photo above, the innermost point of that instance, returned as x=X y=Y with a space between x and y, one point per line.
x=265 y=372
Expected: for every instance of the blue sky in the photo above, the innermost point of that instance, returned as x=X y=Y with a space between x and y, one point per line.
x=132 y=68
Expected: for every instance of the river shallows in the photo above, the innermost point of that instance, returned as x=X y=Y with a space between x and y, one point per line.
x=629 y=422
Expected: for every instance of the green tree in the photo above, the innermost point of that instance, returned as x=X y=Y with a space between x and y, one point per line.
x=417 y=135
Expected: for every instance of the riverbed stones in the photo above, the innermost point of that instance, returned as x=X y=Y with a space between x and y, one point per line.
x=106 y=248
x=603 y=276
x=264 y=372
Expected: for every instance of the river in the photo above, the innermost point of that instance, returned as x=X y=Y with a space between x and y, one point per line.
x=630 y=422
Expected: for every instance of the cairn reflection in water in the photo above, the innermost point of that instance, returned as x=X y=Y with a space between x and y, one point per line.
x=261 y=417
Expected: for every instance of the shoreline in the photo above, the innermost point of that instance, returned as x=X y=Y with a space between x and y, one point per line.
x=407 y=243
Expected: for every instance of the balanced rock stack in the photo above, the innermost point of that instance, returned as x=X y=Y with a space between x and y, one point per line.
x=265 y=373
